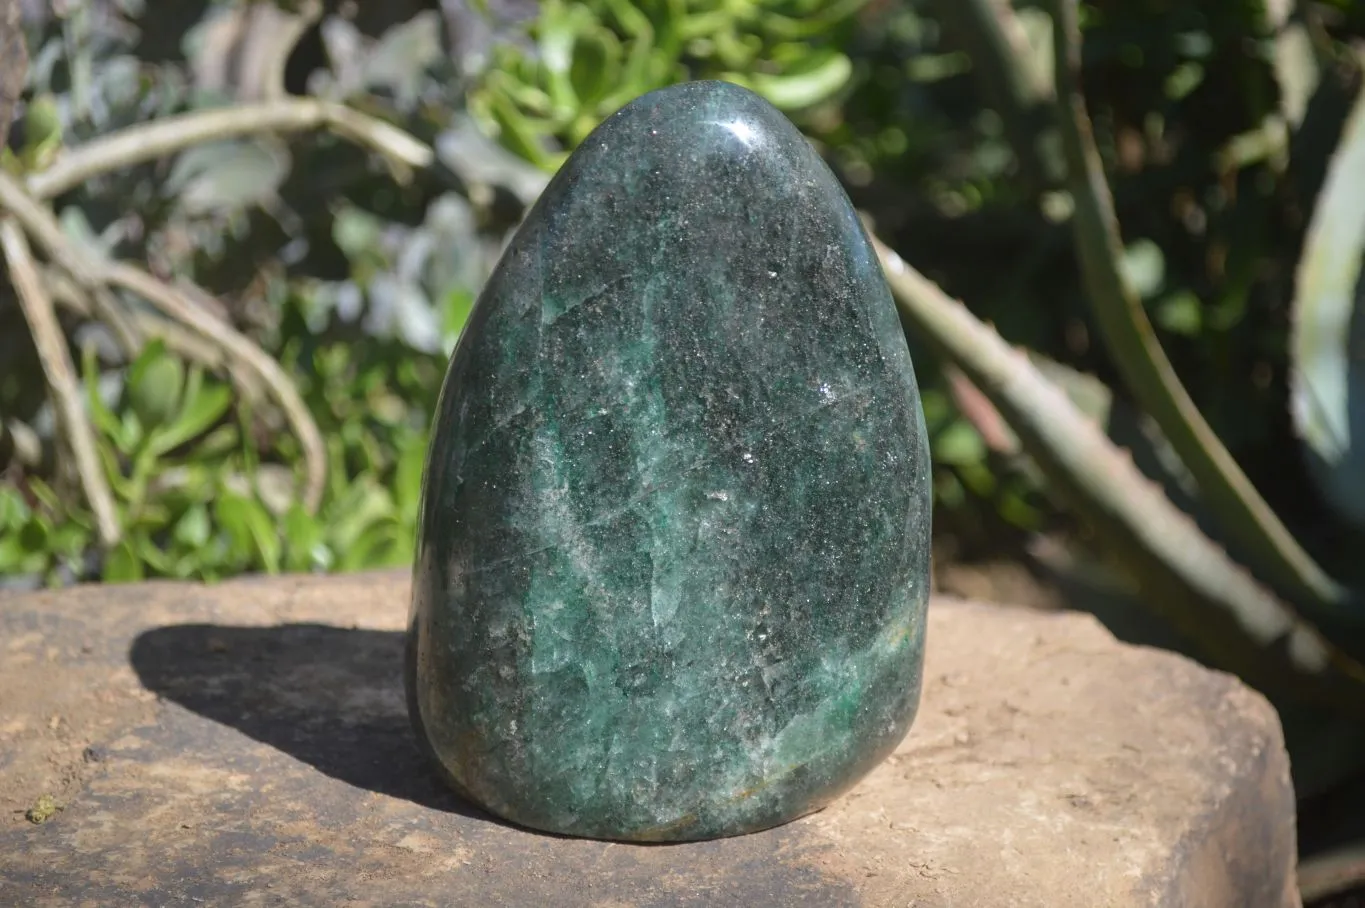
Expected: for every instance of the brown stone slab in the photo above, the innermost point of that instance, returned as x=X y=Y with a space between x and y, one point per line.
x=246 y=744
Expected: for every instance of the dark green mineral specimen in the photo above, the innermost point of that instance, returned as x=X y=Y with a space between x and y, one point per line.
x=674 y=549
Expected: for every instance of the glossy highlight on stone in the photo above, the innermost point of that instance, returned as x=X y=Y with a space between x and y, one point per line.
x=673 y=558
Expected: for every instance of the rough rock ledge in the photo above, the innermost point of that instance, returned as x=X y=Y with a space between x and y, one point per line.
x=248 y=744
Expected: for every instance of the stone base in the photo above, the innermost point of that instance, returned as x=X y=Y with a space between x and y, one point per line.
x=247 y=744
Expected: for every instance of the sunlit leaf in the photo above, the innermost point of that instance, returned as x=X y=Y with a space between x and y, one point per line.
x=192 y=529
x=1144 y=265
x=959 y=444
x=122 y=565
x=364 y=505
x=250 y=529
x=203 y=408
x=596 y=65
x=155 y=381
x=1181 y=313
x=1327 y=349
x=794 y=91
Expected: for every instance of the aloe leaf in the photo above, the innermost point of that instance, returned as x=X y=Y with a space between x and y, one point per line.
x=1327 y=344
x=1237 y=623
x=1252 y=528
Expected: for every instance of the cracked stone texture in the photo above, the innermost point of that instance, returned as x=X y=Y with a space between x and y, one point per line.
x=248 y=744
x=674 y=559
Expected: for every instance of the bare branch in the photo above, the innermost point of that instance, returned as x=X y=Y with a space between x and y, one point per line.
x=94 y=273
x=67 y=294
x=107 y=309
x=1331 y=873
x=61 y=378
x=176 y=306
x=160 y=138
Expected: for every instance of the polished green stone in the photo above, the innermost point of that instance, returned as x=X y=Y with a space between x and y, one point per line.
x=674 y=548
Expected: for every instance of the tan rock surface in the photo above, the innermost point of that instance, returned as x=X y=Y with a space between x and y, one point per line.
x=247 y=744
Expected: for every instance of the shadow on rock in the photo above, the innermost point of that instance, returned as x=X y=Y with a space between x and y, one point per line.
x=330 y=697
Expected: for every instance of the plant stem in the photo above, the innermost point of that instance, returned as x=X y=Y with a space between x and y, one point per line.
x=67 y=294
x=149 y=141
x=1249 y=522
x=1333 y=873
x=61 y=378
x=96 y=274
x=175 y=305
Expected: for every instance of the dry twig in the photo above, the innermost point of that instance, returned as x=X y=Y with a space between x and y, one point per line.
x=106 y=308
x=95 y=275
x=175 y=305
x=69 y=295
x=61 y=378
x=149 y=141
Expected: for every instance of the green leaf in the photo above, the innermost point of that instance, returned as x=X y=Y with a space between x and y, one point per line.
x=218 y=442
x=794 y=91
x=192 y=529
x=201 y=411
x=250 y=529
x=1185 y=78
x=364 y=504
x=45 y=494
x=42 y=132
x=304 y=547
x=1327 y=357
x=151 y=554
x=16 y=559
x=1144 y=265
x=70 y=539
x=130 y=433
x=517 y=132
x=978 y=479
x=375 y=548
x=558 y=29
x=959 y=445
x=155 y=381
x=948 y=490
x=14 y=511
x=33 y=537
x=407 y=478
x=1181 y=313
x=100 y=414
x=122 y=565
x=357 y=233
x=596 y=66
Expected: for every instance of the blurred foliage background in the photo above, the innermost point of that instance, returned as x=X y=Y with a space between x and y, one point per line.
x=359 y=284
x=1217 y=122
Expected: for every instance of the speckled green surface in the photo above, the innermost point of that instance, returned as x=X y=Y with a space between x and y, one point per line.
x=674 y=552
